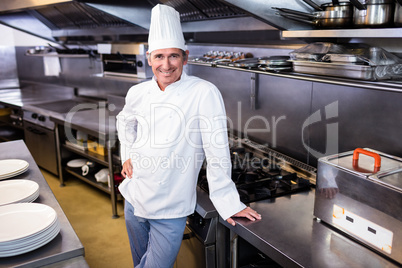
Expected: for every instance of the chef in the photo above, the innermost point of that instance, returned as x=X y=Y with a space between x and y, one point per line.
x=167 y=129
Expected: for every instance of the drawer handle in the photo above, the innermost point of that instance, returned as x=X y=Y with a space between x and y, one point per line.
x=35 y=131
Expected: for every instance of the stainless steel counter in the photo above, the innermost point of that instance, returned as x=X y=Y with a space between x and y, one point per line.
x=17 y=97
x=289 y=234
x=66 y=250
x=100 y=123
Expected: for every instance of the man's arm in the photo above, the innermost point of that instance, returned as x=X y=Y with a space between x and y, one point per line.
x=223 y=192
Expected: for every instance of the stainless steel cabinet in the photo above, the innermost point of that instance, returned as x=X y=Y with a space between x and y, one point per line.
x=41 y=143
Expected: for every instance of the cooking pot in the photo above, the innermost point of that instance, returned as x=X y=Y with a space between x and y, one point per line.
x=340 y=16
x=335 y=5
x=398 y=14
x=373 y=13
x=313 y=5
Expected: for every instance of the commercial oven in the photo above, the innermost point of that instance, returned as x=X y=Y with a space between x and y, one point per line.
x=127 y=60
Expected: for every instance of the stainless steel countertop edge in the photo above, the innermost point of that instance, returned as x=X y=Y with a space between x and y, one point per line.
x=291 y=235
x=66 y=244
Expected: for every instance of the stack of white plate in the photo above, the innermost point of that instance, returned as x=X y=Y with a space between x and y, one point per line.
x=26 y=227
x=18 y=191
x=12 y=167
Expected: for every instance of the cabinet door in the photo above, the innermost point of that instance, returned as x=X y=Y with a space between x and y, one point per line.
x=41 y=143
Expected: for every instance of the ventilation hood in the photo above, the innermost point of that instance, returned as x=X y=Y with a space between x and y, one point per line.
x=96 y=21
x=55 y=20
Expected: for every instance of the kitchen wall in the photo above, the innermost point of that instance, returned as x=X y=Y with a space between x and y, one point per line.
x=302 y=119
x=80 y=73
x=305 y=119
x=84 y=74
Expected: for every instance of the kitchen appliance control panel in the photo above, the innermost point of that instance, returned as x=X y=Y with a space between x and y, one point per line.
x=38 y=119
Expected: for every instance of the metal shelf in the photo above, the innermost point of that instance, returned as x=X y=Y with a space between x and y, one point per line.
x=385 y=85
x=90 y=179
x=58 y=55
x=345 y=33
x=121 y=78
x=101 y=159
x=104 y=160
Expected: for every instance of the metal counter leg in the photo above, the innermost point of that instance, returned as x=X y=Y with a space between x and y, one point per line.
x=58 y=152
x=233 y=249
x=113 y=195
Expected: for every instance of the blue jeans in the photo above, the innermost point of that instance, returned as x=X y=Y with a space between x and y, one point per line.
x=153 y=243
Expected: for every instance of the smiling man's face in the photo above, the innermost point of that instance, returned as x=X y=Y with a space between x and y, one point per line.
x=167 y=65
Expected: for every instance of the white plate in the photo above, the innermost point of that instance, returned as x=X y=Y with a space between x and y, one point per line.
x=32 y=245
x=7 y=245
x=13 y=174
x=31 y=198
x=14 y=191
x=24 y=219
x=77 y=163
x=11 y=245
x=11 y=166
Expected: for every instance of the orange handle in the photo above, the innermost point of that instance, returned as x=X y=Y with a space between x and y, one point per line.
x=377 y=157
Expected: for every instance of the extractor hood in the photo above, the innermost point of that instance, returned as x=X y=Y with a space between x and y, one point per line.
x=102 y=20
x=55 y=20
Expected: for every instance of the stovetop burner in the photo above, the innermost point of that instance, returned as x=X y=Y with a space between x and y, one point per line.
x=258 y=178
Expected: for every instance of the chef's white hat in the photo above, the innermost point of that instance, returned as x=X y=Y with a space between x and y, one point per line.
x=165 y=30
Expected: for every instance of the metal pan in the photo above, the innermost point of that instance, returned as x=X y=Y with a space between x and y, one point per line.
x=313 y=5
x=348 y=70
x=398 y=14
x=245 y=63
x=275 y=60
x=373 y=13
x=335 y=5
x=323 y=19
x=345 y=58
x=275 y=69
x=340 y=7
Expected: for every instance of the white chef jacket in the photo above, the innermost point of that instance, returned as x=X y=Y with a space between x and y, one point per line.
x=167 y=134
